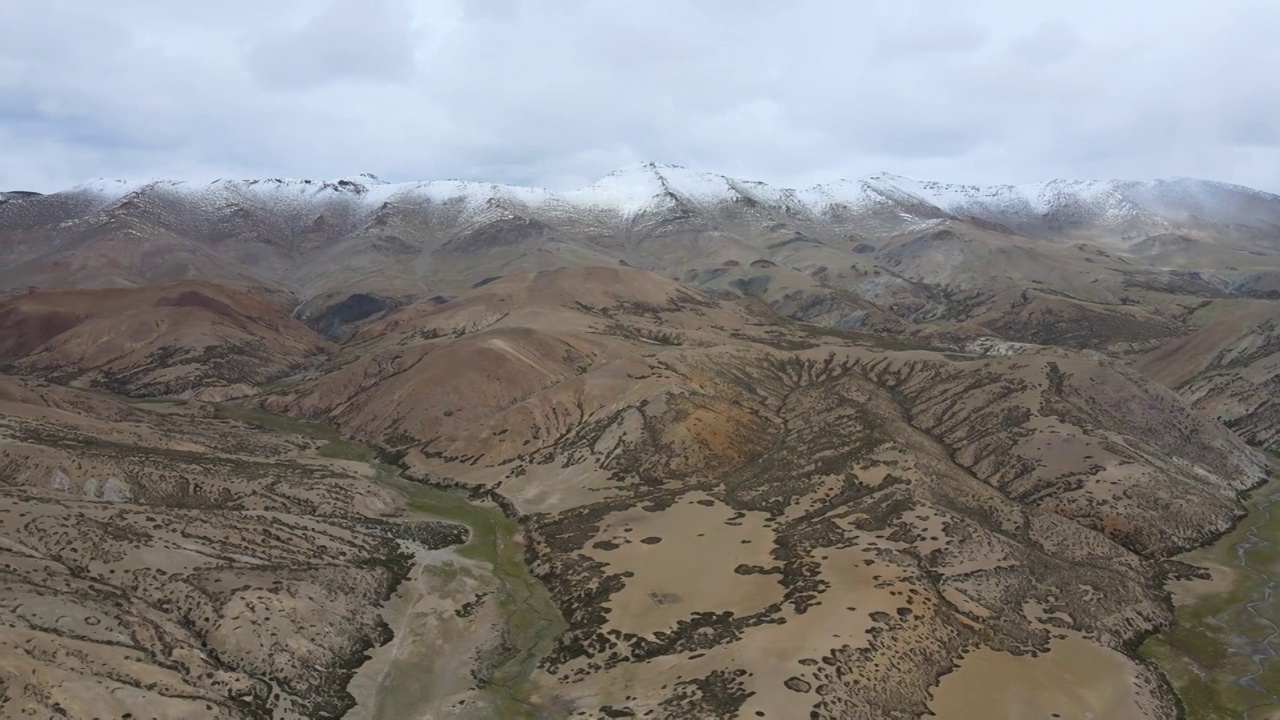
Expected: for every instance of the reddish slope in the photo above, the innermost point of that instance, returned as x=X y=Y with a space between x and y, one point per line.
x=180 y=338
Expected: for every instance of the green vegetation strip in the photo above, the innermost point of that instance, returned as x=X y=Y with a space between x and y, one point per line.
x=333 y=445
x=1223 y=653
x=532 y=620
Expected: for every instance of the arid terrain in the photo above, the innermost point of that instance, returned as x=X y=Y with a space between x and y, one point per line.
x=874 y=450
x=162 y=561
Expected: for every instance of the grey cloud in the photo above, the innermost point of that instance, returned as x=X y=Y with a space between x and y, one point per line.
x=560 y=92
x=1053 y=41
x=1263 y=132
x=368 y=40
x=922 y=40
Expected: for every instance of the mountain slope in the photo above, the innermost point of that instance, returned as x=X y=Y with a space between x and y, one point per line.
x=1117 y=266
x=635 y=193
x=773 y=452
x=1228 y=368
x=190 y=339
x=743 y=471
x=162 y=562
x=274 y=222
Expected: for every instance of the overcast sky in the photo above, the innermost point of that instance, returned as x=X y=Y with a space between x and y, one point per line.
x=557 y=93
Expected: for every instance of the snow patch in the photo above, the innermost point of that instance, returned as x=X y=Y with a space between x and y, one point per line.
x=655 y=188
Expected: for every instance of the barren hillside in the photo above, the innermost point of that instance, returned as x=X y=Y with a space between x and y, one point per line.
x=857 y=451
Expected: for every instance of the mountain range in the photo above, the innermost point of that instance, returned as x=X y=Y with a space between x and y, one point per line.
x=772 y=452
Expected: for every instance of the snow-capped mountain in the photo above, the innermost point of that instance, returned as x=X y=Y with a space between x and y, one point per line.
x=887 y=239
x=1102 y=204
x=1118 y=210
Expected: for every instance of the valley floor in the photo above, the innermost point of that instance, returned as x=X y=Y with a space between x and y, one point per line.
x=1223 y=655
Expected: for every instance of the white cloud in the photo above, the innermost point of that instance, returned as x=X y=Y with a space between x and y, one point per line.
x=559 y=92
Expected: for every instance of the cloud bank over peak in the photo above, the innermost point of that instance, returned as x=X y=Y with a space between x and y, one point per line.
x=557 y=94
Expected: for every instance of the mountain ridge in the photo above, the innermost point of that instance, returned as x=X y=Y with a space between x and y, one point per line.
x=649 y=179
x=772 y=452
x=648 y=196
x=1117 y=266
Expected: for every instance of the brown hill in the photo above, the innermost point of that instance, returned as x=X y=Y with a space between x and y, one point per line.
x=761 y=464
x=188 y=338
x=850 y=452
x=1227 y=367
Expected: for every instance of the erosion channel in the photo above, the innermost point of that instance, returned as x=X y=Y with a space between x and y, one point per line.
x=1223 y=653
x=470 y=622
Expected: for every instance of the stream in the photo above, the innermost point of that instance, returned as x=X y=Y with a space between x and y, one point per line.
x=531 y=620
x=440 y=640
x=1222 y=655
x=1265 y=650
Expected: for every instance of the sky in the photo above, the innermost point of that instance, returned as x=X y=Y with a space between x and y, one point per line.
x=557 y=93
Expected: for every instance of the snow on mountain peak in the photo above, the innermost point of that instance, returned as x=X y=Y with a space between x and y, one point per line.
x=634 y=188
x=657 y=188
x=626 y=190
x=111 y=186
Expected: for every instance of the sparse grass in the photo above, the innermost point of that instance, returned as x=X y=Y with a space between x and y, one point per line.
x=644 y=334
x=532 y=619
x=859 y=337
x=281 y=383
x=1203 y=654
x=333 y=445
x=347 y=450
x=274 y=421
x=159 y=400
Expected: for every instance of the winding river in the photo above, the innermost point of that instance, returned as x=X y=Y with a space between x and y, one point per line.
x=530 y=620
x=471 y=623
x=1223 y=654
x=1265 y=651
